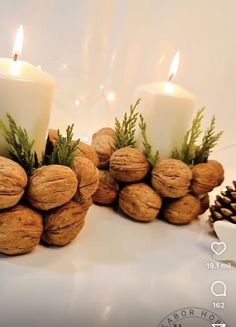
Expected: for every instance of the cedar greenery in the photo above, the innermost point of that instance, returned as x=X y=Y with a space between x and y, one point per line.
x=190 y=152
x=125 y=130
x=209 y=141
x=64 y=150
x=188 y=149
x=152 y=158
x=20 y=147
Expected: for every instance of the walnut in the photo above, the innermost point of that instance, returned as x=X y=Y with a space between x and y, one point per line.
x=140 y=202
x=108 y=189
x=52 y=139
x=104 y=146
x=13 y=181
x=51 y=186
x=220 y=170
x=88 y=178
x=87 y=151
x=53 y=136
x=86 y=203
x=20 y=230
x=182 y=210
x=62 y=225
x=128 y=165
x=105 y=131
x=171 y=178
x=205 y=178
x=204 y=203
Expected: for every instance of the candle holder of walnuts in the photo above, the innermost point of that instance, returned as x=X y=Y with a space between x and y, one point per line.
x=145 y=187
x=46 y=201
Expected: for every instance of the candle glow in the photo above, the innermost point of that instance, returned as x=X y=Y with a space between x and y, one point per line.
x=174 y=65
x=18 y=44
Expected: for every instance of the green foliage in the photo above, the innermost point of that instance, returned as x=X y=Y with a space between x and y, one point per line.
x=209 y=141
x=64 y=150
x=188 y=149
x=125 y=130
x=152 y=158
x=190 y=152
x=20 y=148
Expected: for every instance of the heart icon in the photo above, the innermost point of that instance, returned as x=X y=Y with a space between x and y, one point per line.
x=218 y=247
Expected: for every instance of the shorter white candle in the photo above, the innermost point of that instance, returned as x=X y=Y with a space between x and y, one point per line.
x=168 y=110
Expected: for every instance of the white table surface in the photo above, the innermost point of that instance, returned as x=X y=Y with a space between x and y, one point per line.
x=116 y=273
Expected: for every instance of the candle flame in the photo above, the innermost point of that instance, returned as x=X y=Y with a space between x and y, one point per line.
x=174 y=66
x=18 y=44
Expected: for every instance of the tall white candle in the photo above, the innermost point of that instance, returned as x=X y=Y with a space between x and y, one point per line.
x=168 y=110
x=26 y=93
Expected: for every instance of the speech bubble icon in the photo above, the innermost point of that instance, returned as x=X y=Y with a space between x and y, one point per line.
x=218 y=288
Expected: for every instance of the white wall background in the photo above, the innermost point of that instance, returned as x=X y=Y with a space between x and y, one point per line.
x=123 y=43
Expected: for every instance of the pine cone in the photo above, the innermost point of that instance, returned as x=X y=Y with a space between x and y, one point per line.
x=225 y=206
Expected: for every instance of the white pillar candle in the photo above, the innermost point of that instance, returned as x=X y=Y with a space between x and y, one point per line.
x=26 y=92
x=168 y=110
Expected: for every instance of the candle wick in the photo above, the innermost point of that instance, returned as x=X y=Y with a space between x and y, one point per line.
x=170 y=78
x=15 y=57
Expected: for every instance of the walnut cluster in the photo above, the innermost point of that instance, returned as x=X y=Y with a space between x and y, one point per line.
x=54 y=201
x=51 y=204
x=172 y=188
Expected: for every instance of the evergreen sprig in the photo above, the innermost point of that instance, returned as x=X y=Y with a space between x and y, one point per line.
x=125 y=130
x=64 y=150
x=20 y=147
x=190 y=152
x=209 y=141
x=152 y=158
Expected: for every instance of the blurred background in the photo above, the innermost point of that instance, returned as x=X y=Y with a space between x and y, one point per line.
x=101 y=50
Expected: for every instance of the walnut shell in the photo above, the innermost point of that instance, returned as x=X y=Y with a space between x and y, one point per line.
x=51 y=186
x=20 y=230
x=53 y=136
x=140 y=202
x=86 y=203
x=204 y=203
x=88 y=178
x=105 y=131
x=171 y=178
x=205 y=178
x=104 y=146
x=128 y=165
x=62 y=225
x=13 y=181
x=85 y=150
x=108 y=189
x=220 y=170
x=182 y=210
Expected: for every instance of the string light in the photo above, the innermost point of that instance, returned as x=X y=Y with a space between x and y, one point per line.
x=77 y=103
x=111 y=96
